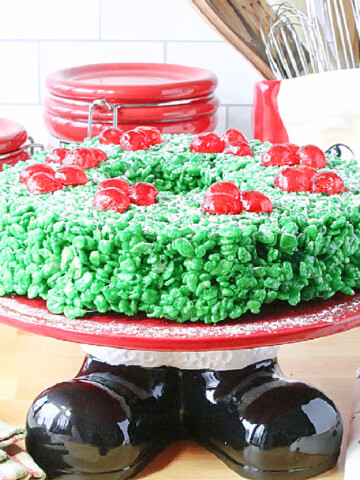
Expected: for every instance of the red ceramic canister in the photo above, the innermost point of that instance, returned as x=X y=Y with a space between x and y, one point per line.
x=173 y=98
x=15 y=145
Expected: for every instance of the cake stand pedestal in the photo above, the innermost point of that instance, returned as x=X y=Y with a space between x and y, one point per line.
x=112 y=419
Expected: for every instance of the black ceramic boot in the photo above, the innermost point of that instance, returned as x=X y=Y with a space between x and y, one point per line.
x=107 y=423
x=262 y=425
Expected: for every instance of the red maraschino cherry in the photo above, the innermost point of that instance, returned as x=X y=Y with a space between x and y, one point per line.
x=119 y=183
x=152 y=134
x=256 y=202
x=241 y=149
x=133 y=140
x=293 y=147
x=327 y=182
x=278 y=155
x=85 y=157
x=225 y=188
x=56 y=155
x=111 y=199
x=42 y=182
x=308 y=171
x=143 y=194
x=222 y=198
x=233 y=135
x=110 y=136
x=207 y=143
x=35 y=168
x=292 y=180
x=311 y=156
x=71 y=175
x=221 y=204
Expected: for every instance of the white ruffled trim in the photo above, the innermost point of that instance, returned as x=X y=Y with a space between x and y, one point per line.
x=223 y=360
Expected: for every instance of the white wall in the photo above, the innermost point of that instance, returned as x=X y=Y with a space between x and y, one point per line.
x=39 y=36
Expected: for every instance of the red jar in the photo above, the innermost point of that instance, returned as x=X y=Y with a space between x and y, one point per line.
x=173 y=98
x=15 y=144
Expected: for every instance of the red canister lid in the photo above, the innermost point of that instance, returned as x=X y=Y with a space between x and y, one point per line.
x=12 y=135
x=132 y=83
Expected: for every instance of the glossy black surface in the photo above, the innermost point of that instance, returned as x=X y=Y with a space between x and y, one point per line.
x=261 y=424
x=109 y=422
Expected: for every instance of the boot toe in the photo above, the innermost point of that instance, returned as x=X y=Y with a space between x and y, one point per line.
x=83 y=429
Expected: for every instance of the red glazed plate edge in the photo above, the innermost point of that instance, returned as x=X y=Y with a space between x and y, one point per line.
x=282 y=324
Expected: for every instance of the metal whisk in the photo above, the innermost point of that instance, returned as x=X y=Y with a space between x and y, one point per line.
x=292 y=47
x=338 y=23
x=326 y=39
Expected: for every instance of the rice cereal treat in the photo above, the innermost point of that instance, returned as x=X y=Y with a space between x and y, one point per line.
x=170 y=230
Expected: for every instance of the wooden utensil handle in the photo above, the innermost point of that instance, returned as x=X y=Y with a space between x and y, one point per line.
x=238 y=21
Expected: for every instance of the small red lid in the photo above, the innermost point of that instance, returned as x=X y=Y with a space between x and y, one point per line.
x=132 y=83
x=12 y=135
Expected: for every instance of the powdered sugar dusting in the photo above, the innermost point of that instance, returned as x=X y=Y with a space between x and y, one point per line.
x=282 y=325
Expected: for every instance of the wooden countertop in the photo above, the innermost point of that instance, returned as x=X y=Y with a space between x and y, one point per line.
x=29 y=364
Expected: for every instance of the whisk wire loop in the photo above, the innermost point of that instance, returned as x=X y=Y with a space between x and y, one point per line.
x=297 y=44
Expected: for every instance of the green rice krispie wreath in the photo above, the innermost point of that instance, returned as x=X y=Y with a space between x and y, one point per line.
x=171 y=259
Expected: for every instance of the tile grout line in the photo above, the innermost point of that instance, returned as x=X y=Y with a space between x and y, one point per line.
x=39 y=104
x=82 y=40
x=38 y=73
x=99 y=12
x=252 y=123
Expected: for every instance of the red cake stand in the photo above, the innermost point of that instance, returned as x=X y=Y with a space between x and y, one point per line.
x=276 y=324
x=112 y=419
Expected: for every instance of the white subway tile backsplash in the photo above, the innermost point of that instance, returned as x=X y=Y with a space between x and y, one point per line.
x=56 y=55
x=221 y=125
x=236 y=75
x=240 y=117
x=153 y=20
x=40 y=36
x=19 y=72
x=44 y=19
